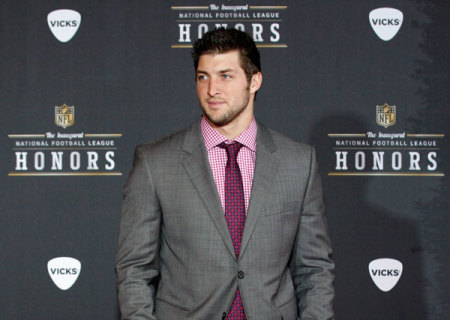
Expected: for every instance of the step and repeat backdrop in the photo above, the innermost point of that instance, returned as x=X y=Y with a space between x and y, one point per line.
x=84 y=82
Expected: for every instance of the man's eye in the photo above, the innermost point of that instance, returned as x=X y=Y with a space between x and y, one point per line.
x=226 y=76
x=201 y=77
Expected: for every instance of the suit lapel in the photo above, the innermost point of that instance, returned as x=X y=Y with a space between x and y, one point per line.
x=266 y=168
x=198 y=169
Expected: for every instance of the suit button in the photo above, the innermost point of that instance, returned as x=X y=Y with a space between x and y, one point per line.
x=224 y=316
x=241 y=274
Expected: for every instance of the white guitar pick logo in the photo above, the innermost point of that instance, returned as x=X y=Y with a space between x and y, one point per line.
x=385 y=273
x=64 y=271
x=386 y=22
x=64 y=23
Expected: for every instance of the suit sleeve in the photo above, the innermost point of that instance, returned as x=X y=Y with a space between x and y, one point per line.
x=137 y=261
x=311 y=264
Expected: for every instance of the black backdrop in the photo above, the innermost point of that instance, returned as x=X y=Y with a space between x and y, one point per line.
x=128 y=74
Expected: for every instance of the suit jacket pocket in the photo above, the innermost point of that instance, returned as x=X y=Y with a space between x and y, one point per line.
x=168 y=310
x=277 y=208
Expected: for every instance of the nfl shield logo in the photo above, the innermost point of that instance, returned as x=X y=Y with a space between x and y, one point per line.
x=386 y=115
x=64 y=116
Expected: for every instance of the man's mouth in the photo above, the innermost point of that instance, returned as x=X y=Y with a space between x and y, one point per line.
x=215 y=103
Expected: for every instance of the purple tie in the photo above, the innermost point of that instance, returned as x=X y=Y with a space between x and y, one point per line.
x=234 y=214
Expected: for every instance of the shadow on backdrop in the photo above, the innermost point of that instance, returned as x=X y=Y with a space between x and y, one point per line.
x=432 y=117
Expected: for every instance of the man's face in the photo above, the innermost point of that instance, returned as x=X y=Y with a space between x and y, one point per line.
x=225 y=95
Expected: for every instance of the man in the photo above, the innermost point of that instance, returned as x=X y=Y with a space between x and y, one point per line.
x=225 y=219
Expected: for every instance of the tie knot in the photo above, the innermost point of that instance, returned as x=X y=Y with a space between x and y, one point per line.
x=231 y=148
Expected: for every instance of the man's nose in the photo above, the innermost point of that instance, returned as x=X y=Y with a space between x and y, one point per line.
x=213 y=87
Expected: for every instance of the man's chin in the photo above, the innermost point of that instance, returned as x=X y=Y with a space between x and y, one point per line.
x=217 y=121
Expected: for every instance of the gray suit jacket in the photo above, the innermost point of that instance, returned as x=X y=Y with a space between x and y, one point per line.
x=176 y=259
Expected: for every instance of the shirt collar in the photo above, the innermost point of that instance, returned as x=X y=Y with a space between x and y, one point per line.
x=212 y=137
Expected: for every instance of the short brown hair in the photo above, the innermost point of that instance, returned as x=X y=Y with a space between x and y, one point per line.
x=223 y=40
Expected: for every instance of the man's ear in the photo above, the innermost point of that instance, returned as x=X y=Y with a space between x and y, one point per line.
x=255 y=82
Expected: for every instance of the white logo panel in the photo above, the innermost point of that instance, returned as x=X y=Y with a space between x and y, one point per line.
x=386 y=22
x=385 y=273
x=64 y=23
x=64 y=271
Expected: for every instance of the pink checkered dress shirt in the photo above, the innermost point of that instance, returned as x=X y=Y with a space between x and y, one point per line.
x=218 y=157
